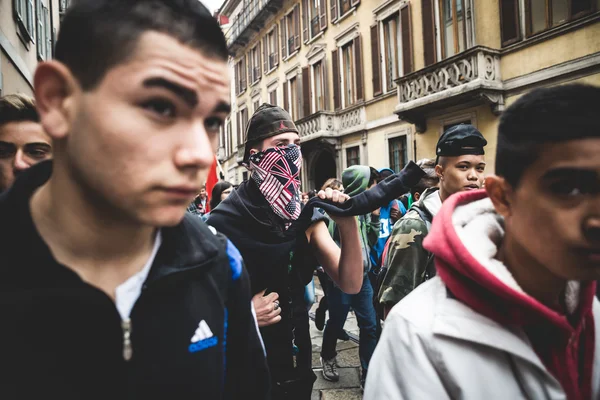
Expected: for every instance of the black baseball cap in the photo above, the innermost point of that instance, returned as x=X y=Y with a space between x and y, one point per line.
x=460 y=140
x=267 y=121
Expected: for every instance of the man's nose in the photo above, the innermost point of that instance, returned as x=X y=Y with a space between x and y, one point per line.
x=197 y=151
x=20 y=163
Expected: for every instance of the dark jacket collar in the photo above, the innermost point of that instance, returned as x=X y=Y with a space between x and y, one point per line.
x=188 y=245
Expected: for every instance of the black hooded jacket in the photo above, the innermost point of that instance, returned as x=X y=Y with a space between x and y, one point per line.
x=63 y=338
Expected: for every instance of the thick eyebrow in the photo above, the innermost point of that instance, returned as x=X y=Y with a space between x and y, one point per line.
x=558 y=173
x=223 y=107
x=38 y=144
x=187 y=95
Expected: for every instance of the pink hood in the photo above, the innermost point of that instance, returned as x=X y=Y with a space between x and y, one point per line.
x=464 y=239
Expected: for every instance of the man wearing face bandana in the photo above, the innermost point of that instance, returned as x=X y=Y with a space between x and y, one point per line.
x=281 y=246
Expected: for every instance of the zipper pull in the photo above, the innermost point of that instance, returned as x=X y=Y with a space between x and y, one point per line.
x=127 y=349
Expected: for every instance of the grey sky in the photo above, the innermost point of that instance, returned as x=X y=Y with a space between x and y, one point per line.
x=212 y=5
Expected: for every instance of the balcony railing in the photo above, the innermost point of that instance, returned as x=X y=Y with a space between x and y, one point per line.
x=472 y=73
x=244 y=26
x=332 y=124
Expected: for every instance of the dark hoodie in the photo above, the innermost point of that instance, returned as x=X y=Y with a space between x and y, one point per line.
x=564 y=343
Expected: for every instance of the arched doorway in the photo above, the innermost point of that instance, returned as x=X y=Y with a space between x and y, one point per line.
x=323 y=168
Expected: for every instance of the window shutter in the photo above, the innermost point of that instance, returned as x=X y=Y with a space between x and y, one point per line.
x=276 y=56
x=334 y=14
x=326 y=104
x=286 y=100
x=509 y=20
x=258 y=57
x=284 y=39
x=376 y=60
x=265 y=53
x=239 y=128
x=306 y=96
x=407 y=48
x=48 y=34
x=237 y=77
x=360 y=91
x=337 y=95
x=305 y=20
x=354 y=3
x=40 y=45
x=244 y=72
x=297 y=28
x=428 y=31
x=322 y=14
x=249 y=68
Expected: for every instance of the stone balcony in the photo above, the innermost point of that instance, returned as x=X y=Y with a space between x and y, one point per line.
x=324 y=124
x=249 y=21
x=471 y=75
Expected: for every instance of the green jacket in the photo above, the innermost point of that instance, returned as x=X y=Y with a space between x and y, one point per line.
x=368 y=229
x=408 y=263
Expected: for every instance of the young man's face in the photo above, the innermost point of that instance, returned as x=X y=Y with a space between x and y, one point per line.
x=143 y=139
x=461 y=173
x=202 y=193
x=554 y=213
x=22 y=144
x=281 y=140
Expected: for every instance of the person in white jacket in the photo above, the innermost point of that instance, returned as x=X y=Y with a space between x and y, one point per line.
x=512 y=313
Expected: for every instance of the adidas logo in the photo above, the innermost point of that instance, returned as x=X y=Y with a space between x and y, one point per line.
x=203 y=338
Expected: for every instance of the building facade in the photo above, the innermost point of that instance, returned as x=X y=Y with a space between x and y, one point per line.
x=376 y=82
x=28 y=30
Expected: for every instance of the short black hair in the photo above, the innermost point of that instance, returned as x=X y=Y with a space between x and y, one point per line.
x=218 y=189
x=96 y=35
x=542 y=116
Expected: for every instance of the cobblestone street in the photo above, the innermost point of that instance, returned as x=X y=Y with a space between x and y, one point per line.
x=348 y=387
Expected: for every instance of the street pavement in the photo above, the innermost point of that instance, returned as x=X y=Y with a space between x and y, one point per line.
x=348 y=387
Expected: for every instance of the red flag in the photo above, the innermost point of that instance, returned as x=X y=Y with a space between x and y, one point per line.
x=211 y=181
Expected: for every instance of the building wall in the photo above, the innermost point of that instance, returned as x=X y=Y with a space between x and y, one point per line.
x=567 y=53
x=18 y=55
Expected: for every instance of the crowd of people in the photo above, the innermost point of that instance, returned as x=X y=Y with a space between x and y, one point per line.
x=109 y=289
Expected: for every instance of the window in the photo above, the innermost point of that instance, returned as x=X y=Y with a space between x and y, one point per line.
x=398 y=157
x=314 y=18
x=240 y=76
x=339 y=8
x=348 y=83
x=318 y=70
x=290 y=33
x=270 y=52
x=453 y=27
x=44 y=35
x=545 y=14
x=294 y=98
x=242 y=121
x=273 y=97
x=228 y=140
x=63 y=5
x=391 y=45
x=24 y=14
x=256 y=104
x=254 y=71
x=352 y=156
x=349 y=91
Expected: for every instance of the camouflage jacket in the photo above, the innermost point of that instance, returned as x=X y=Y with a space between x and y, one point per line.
x=408 y=263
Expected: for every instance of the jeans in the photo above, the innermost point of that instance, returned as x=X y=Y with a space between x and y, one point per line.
x=339 y=305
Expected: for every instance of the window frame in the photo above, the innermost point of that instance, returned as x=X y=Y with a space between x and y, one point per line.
x=321 y=84
x=241 y=76
x=392 y=139
x=352 y=147
x=254 y=64
x=525 y=8
x=440 y=26
x=24 y=13
x=43 y=32
x=347 y=50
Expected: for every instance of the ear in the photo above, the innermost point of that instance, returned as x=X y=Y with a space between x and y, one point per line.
x=55 y=89
x=417 y=196
x=439 y=170
x=254 y=151
x=500 y=192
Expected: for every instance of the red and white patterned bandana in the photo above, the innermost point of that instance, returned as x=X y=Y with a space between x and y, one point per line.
x=276 y=171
